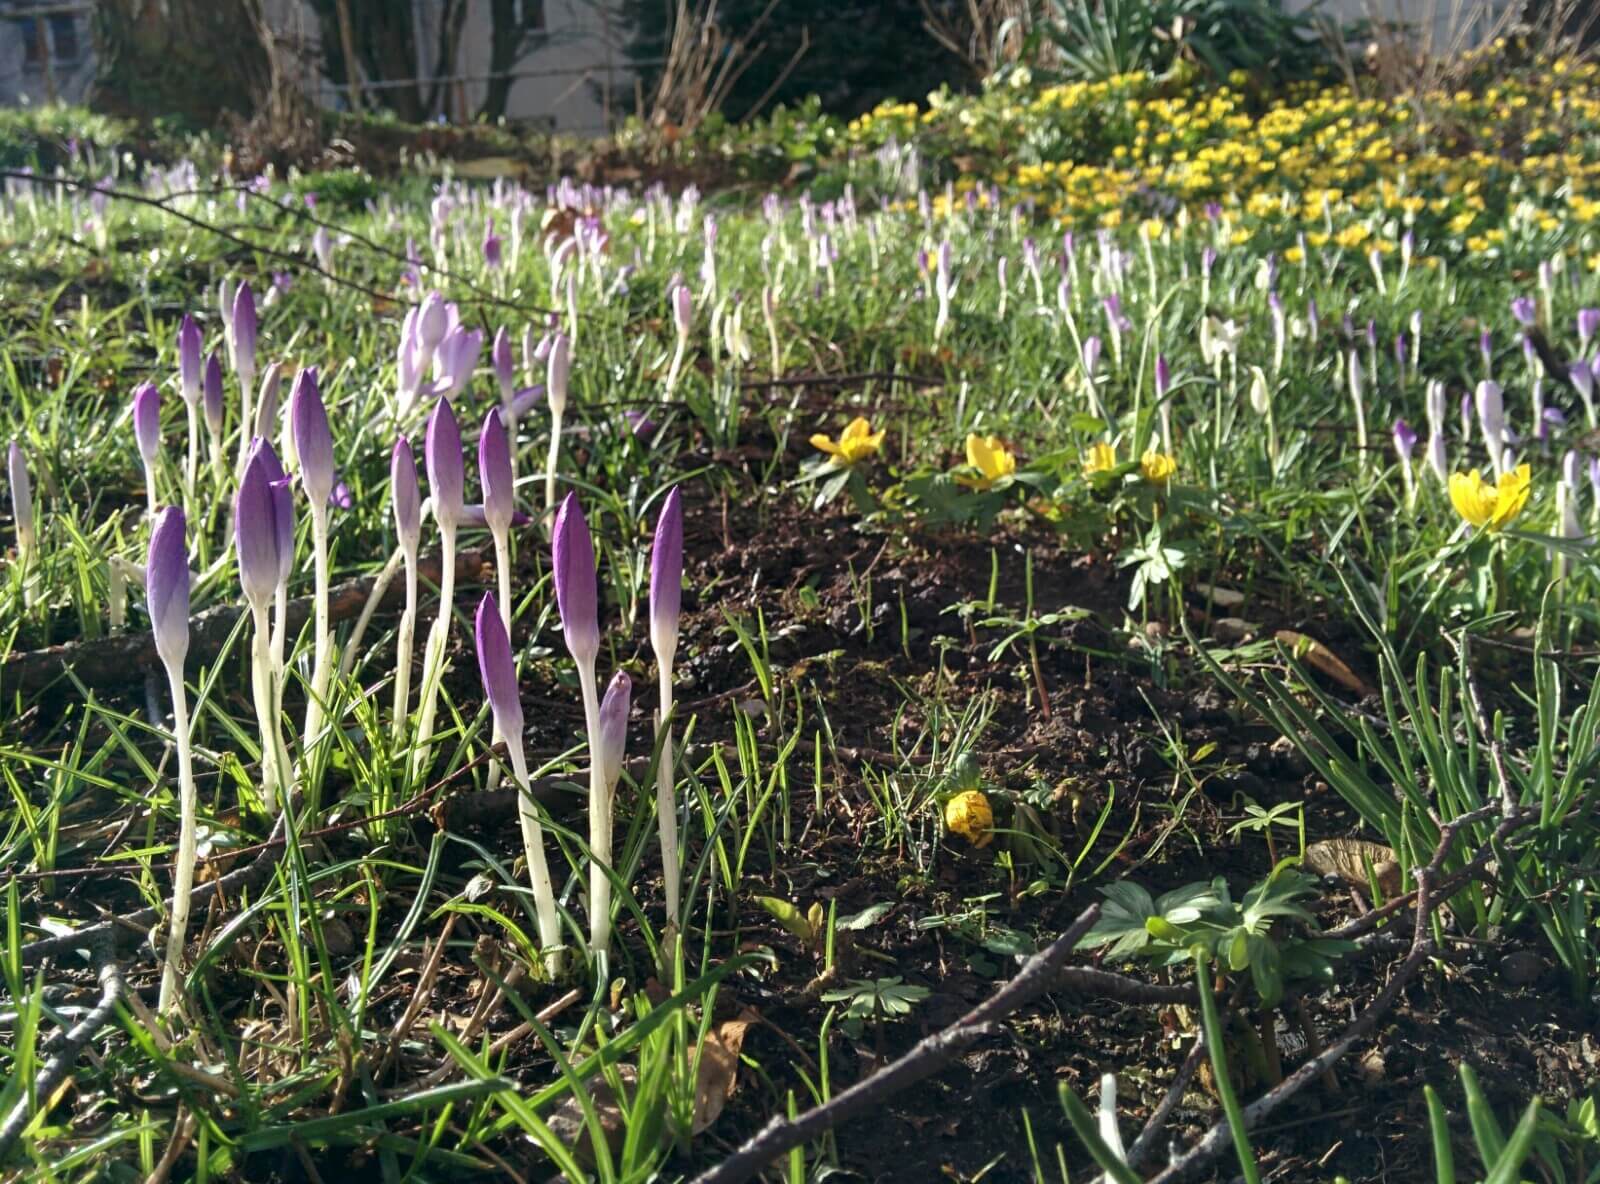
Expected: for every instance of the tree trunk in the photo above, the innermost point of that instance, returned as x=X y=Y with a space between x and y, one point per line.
x=190 y=58
x=507 y=37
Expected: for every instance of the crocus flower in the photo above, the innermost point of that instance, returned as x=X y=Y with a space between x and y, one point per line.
x=494 y=467
x=211 y=394
x=263 y=525
x=1486 y=351
x=1588 y=326
x=1524 y=310
x=1491 y=417
x=313 y=441
x=504 y=365
x=1487 y=506
x=21 y=499
x=167 y=586
x=991 y=461
x=1091 y=355
x=499 y=673
x=614 y=728
x=666 y=578
x=405 y=499
x=558 y=373
x=1437 y=459
x=856 y=443
x=189 y=362
x=491 y=245
x=1405 y=442
x=432 y=324
x=447 y=477
x=167 y=590
x=147 y=422
x=572 y=553
x=241 y=341
x=1582 y=379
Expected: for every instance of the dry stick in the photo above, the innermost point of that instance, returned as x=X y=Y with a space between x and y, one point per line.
x=1218 y=1138
x=1139 y=1153
x=125 y=657
x=1037 y=976
x=59 y=1066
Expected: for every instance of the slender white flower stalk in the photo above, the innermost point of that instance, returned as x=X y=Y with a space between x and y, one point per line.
x=406 y=500
x=313 y=450
x=190 y=366
x=1000 y=268
x=572 y=560
x=666 y=591
x=1261 y=404
x=167 y=586
x=1438 y=457
x=499 y=675
x=1490 y=402
x=769 y=312
x=22 y=514
x=147 y=434
x=1355 y=381
x=446 y=483
x=682 y=317
x=943 y=288
x=263 y=525
x=558 y=375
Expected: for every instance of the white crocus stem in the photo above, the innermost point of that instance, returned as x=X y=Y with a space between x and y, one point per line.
x=1361 y=410
x=261 y=678
x=554 y=460
x=404 y=646
x=153 y=504
x=544 y=897
x=322 y=663
x=191 y=465
x=183 y=875
x=438 y=641
x=217 y=459
x=666 y=795
x=599 y=816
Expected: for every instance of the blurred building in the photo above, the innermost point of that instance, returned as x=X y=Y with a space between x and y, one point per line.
x=566 y=68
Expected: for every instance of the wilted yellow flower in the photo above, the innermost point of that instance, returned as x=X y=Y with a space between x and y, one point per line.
x=857 y=442
x=1157 y=466
x=1486 y=505
x=1101 y=458
x=992 y=459
x=969 y=815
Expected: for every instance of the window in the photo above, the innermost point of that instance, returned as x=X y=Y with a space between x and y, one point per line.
x=62 y=33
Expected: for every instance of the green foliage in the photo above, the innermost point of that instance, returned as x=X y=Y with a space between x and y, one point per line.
x=1254 y=933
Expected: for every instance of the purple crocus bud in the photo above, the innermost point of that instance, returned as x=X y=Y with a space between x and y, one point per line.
x=1313 y=320
x=504 y=365
x=1490 y=402
x=447 y=478
x=682 y=309
x=211 y=393
x=456 y=359
x=559 y=372
x=1372 y=333
x=572 y=554
x=1486 y=349
x=1524 y=309
x=1091 y=355
x=432 y=322
x=1402 y=350
x=641 y=425
x=21 y=496
x=404 y=496
x=243 y=336
x=494 y=469
x=491 y=244
x=666 y=578
x=498 y=670
x=260 y=524
x=1594 y=476
x=166 y=582
x=189 y=377
x=1405 y=440
x=614 y=727
x=147 y=421
x=313 y=442
x=1208 y=260
x=322 y=247
x=1163 y=376
x=1583 y=379
x=1588 y=326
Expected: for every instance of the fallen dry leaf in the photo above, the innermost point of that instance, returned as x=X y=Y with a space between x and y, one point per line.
x=718 y=1075
x=1349 y=859
x=1323 y=660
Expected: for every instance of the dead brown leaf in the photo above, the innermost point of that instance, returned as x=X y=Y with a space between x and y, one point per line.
x=1349 y=859
x=718 y=1075
x=1323 y=660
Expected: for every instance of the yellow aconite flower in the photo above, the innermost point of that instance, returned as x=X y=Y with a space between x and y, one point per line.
x=1157 y=466
x=1102 y=458
x=969 y=815
x=857 y=442
x=991 y=458
x=1486 y=505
